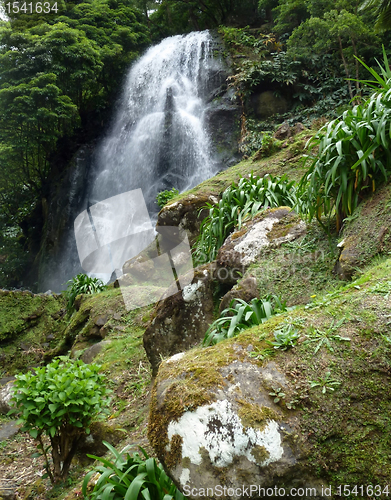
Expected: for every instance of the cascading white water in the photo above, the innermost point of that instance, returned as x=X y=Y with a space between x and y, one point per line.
x=159 y=138
x=3 y=15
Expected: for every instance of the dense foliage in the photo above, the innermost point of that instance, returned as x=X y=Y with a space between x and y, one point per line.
x=59 y=74
x=60 y=401
x=352 y=155
x=130 y=477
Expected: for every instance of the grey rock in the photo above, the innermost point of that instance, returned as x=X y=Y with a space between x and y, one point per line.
x=180 y=321
x=92 y=352
x=8 y=430
x=7 y=489
x=245 y=246
x=240 y=437
x=246 y=290
x=6 y=393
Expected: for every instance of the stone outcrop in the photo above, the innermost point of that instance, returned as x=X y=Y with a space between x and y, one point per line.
x=366 y=235
x=187 y=213
x=245 y=245
x=6 y=393
x=246 y=289
x=180 y=321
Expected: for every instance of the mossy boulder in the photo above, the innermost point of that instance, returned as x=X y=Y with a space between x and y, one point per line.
x=266 y=104
x=30 y=325
x=101 y=313
x=243 y=413
x=367 y=234
x=246 y=290
x=180 y=321
x=245 y=245
x=99 y=432
x=187 y=213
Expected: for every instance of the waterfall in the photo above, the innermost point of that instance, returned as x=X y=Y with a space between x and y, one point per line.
x=3 y=15
x=159 y=138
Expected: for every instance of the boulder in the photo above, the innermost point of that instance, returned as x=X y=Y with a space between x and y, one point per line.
x=180 y=321
x=229 y=432
x=99 y=431
x=366 y=234
x=187 y=213
x=241 y=413
x=92 y=352
x=6 y=393
x=9 y=430
x=267 y=104
x=246 y=289
x=283 y=132
x=8 y=489
x=244 y=246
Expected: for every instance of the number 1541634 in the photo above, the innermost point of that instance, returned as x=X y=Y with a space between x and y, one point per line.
x=31 y=8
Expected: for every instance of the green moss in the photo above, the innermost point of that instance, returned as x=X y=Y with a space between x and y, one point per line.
x=296 y=270
x=238 y=234
x=283 y=227
x=255 y=416
x=260 y=453
x=30 y=325
x=174 y=456
x=21 y=311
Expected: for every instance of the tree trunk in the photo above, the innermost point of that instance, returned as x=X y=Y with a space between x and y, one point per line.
x=345 y=65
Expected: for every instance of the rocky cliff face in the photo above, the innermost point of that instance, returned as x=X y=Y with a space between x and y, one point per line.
x=64 y=204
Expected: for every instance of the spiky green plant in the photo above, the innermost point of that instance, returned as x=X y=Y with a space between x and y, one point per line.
x=241 y=315
x=129 y=477
x=82 y=283
x=352 y=155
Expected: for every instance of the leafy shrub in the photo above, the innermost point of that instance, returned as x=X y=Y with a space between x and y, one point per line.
x=82 y=284
x=242 y=315
x=245 y=199
x=165 y=196
x=353 y=156
x=60 y=400
x=130 y=477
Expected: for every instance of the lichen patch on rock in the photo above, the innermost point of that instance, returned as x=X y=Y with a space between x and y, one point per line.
x=218 y=429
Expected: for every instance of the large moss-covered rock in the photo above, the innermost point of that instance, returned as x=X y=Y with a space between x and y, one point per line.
x=366 y=235
x=243 y=413
x=245 y=245
x=267 y=104
x=30 y=324
x=180 y=321
x=187 y=213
